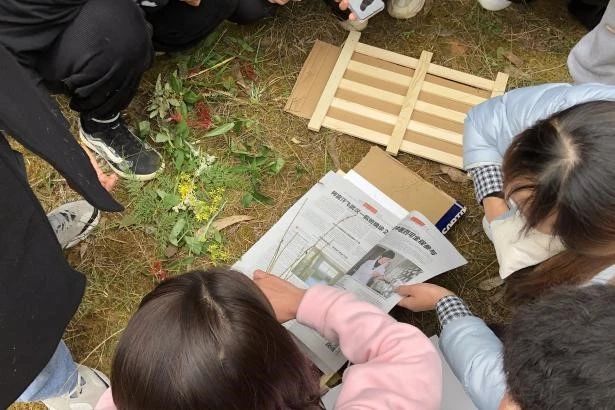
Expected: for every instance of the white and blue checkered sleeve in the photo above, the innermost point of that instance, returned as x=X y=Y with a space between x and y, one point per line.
x=451 y=307
x=487 y=179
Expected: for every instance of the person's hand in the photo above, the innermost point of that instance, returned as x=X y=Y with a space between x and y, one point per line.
x=343 y=4
x=494 y=207
x=108 y=181
x=193 y=3
x=283 y=296
x=422 y=296
x=280 y=2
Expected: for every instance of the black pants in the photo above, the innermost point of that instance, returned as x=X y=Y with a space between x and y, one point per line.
x=99 y=57
x=179 y=26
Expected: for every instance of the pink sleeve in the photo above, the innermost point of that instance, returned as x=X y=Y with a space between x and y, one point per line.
x=105 y=402
x=395 y=366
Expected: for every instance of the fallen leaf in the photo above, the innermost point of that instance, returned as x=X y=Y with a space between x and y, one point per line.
x=247 y=70
x=454 y=174
x=516 y=72
x=202 y=118
x=175 y=116
x=158 y=272
x=295 y=140
x=238 y=76
x=332 y=151
x=222 y=223
x=170 y=251
x=517 y=61
x=497 y=297
x=457 y=48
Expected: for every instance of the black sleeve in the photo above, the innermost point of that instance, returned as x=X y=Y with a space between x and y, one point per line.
x=31 y=117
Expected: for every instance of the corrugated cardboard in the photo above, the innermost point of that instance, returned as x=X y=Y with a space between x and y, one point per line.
x=408 y=189
x=312 y=79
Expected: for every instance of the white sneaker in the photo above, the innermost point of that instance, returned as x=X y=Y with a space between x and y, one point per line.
x=92 y=384
x=73 y=222
x=353 y=25
x=494 y=5
x=404 y=9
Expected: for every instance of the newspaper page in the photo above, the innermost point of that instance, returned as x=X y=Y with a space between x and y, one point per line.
x=338 y=235
x=316 y=242
x=414 y=251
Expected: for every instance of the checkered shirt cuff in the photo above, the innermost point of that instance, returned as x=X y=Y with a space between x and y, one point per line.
x=451 y=307
x=487 y=179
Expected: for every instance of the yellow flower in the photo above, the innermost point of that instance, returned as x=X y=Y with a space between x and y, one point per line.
x=217 y=254
x=185 y=187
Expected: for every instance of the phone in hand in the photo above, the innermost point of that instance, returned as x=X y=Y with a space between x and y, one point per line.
x=364 y=9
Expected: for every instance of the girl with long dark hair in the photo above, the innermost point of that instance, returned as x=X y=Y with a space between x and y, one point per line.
x=214 y=340
x=543 y=164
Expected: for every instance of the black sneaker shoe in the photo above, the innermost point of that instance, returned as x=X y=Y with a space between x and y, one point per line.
x=126 y=154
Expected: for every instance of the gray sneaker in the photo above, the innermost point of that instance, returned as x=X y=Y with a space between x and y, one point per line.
x=90 y=387
x=72 y=222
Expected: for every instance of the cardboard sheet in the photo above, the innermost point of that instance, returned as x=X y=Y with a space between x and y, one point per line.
x=408 y=189
x=312 y=79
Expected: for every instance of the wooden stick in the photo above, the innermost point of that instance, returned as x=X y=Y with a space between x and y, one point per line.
x=379 y=73
x=334 y=80
x=373 y=92
x=436 y=132
x=432 y=154
x=434 y=69
x=410 y=101
x=452 y=94
x=356 y=131
x=440 y=112
x=499 y=87
x=364 y=111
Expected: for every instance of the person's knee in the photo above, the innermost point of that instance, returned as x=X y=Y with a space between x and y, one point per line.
x=121 y=33
x=250 y=11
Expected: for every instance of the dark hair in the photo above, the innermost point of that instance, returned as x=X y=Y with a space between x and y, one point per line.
x=559 y=352
x=388 y=254
x=567 y=161
x=210 y=340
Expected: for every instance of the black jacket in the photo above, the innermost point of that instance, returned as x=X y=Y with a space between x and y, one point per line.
x=39 y=291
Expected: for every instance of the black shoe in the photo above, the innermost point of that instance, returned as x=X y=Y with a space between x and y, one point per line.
x=126 y=154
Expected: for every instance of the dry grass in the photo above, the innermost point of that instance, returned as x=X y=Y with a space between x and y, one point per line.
x=461 y=35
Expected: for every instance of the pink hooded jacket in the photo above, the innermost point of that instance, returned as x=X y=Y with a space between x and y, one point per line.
x=395 y=366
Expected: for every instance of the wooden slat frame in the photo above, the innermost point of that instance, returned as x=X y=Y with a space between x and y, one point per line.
x=334 y=81
x=407 y=108
x=434 y=114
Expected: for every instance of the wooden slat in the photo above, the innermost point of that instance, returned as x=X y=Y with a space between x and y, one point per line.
x=434 y=69
x=436 y=132
x=372 y=92
x=334 y=80
x=440 y=112
x=452 y=94
x=356 y=131
x=499 y=87
x=379 y=73
x=409 y=102
x=432 y=154
x=367 y=112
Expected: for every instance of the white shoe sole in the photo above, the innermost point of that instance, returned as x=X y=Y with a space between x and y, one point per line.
x=109 y=156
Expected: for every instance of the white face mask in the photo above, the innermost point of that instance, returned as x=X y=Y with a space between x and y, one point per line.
x=517 y=250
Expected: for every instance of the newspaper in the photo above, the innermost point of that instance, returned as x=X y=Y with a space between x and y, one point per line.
x=338 y=235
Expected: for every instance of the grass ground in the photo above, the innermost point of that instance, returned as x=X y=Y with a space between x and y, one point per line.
x=123 y=254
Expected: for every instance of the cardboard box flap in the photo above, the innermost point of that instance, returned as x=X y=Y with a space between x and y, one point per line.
x=408 y=189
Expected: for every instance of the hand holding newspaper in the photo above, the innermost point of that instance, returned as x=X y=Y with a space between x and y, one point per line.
x=338 y=235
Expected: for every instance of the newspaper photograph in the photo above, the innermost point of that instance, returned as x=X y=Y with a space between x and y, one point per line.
x=338 y=235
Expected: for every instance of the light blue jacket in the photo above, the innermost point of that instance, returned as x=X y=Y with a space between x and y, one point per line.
x=490 y=127
x=474 y=354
